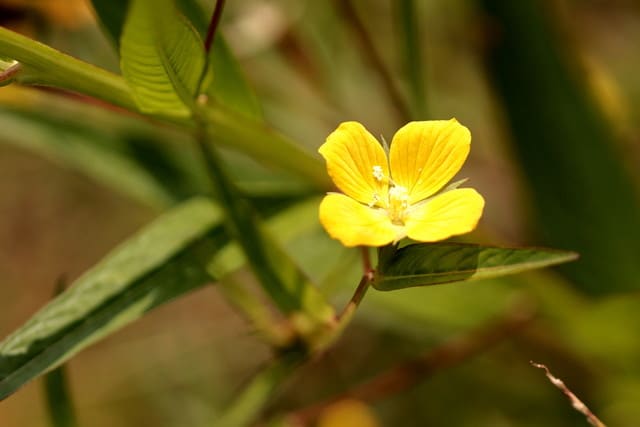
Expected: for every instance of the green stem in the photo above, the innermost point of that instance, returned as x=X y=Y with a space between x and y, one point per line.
x=241 y=222
x=274 y=148
x=43 y=65
x=412 y=55
x=255 y=396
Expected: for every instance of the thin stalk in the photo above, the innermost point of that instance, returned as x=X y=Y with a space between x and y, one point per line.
x=213 y=25
x=366 y=259
x=577 y=404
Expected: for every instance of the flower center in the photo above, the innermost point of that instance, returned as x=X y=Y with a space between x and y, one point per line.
x=398 y=199
x=398 y=203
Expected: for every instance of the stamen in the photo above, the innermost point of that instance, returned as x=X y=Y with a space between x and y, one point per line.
x=377 y=173
x=398 y=203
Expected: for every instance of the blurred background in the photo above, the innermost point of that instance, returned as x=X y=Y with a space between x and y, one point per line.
x=551 y=93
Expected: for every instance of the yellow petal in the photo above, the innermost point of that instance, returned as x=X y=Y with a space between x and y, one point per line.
x=424 y=156
x=355 y=224
x=352 y=153
x=448 y=214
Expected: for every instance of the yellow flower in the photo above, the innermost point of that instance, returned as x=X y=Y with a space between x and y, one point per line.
x=386 y=200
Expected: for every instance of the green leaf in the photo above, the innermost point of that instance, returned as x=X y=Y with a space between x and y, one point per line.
x=266 y=145
x=162 y=58
x=279 y=275
x=42 y=65
x=411 y=50
x=182 y=250
x=229 y=87
x=85 y=149
x=584 y=198
x=433 y=264
x=153 y=166
x=59 y=398
x=164 y=260
x=56 y=389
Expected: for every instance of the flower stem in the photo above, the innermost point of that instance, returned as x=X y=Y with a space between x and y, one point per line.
x=366 y=259
x=356 y=299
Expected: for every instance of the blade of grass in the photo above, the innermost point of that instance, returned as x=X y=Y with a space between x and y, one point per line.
x=584 y=198
x=411 y=52
x=56 y=389
x=58 y=397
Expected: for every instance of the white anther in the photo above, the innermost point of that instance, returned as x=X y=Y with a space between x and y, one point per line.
x=377 y=173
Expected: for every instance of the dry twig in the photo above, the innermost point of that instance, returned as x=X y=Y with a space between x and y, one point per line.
x=575 y=402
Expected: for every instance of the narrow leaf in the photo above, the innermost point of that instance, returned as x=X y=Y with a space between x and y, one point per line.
x=280 y=276
x=56 y=389
x=410 y=48
x=162 y=58
x=583 y=196
x=168 y=258
x=59 y=398
x=85 y=149
x=42 y=65
x=433 y=264
x=164 y=260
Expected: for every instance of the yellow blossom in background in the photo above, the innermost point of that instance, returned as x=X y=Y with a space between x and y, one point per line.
x=348 y=413
x=404 y=195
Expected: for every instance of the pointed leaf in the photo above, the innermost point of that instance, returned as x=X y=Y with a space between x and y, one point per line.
x=164 y=260
x=433 y=264
x=174 y=255
x=162 y=58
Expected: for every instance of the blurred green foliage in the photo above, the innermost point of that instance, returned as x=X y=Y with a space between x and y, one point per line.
x=515 y=73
